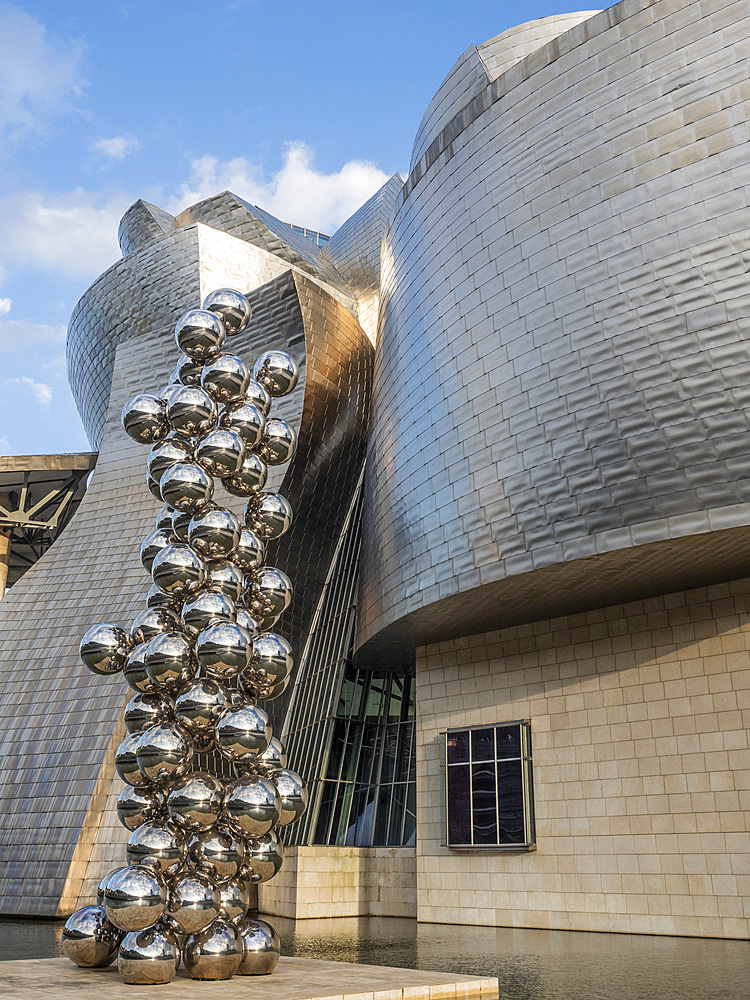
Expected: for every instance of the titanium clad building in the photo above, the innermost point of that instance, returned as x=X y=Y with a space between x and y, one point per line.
x=523 y=651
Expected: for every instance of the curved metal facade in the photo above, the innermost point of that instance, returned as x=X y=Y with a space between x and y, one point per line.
x=562 y=379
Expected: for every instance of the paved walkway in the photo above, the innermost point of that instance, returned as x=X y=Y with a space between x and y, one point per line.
x=293 y=979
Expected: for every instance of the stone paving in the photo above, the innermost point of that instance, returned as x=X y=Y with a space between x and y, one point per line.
x=294 y=979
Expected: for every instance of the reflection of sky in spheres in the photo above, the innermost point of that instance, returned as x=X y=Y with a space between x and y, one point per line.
x=531 y=964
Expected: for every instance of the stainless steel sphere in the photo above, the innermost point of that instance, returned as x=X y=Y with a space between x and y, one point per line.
x=192 y=411
x=224 y=649
x=260 y=947
x=152 y=622
x=178 y=570
x=279 y=442
x=215 y=953
x=232 y=308
x=217 y=853
x=164 y=518
x=250 y=478
x=270 y=592
x=156 y=598
x=186 y=485
x=187 y=371
x=105 y=648
x=272 y=758
x=258 y=688
x=144 y=418
x=134 y=897
x=246 y=620
x=134 y=670
x=226 y=379
x=249 y=552
x=194 y=901
x=160 y=847
x=259 y=396
x=243 y=732
x=221 y=452
x=89 y=939
x=103 y=885
x=292 y=794
x=198 y=709
x=253 y=806
x=147 y=709
x=153 y=486
x=149 y=957
x=164 y=752
x=269 y=514
x=152 y=545
x=277 y=372
x=136 y=806
x=205 y=609
x=170 y=660
x=181 y=524
x=126 y=762
x=247 y=419
x=271 y=658
x=195 y=802
x=214 y=533
x=235 y=898
x=225 y=578
x=168 y=453
x=200 y=334
x=264 y=857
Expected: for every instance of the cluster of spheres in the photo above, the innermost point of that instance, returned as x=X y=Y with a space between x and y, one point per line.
x=199 y=659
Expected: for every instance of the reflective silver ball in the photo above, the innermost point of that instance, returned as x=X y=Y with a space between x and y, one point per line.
x=293 y=795
x=263 y=858
x=89 y=939
x=214 y=533
x=271 y=657
x=274 y=756
x=226 y=379
x=221 y=452
x=187 y=371
x=159 y=847
x=103 y=885
x=126 y=762
x=268 y=514
x=279 y=442
x=225 y=578
x=152 y=622
x=247 y=419
x=153 y=486
x=178 y=570
x=215 y=953
x=249 y=552
x=104 y=648
x=136 y=806
x=251 y=477
x=194 y=901
x=277 y=372
x=232 y=308
x=243 y=732
x=134 y=670
x=260 y=947
x=195 y=801
x=164 y=752
x=217 y=853
x=192 y=411
x=235 y=899
x=167 y=453
x=149 y=957
x=170 y=660
x=144 y=418
x=152 y=545
x=164 y=518
x=259 y=396
x=186 y=485
x=156 y=598
x=246 y=620
x=205 y=609
x=252 y=806
x=181 y=524
x=200 y=334
x=198 y=709
x=146 y=709
x=167 y=390
x=270 y=592
x=254 y=686
x=134 y=897
x=224 y=649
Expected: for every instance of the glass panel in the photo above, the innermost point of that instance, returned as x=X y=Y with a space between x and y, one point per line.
x=352 y=757
x=403 y=755
x=359 y=803
x=390 y=749
x=337 y=749
x=394 y=703
x=459 y=805
x=341 y=813
x=510 y=801
x=359 y=692
x=375 y=698
x=483 y=744
x=458 y=746
x=508 y=742
x=398 y=802
x=380 y=837
x=346 y=698
x=483 y=802
x=367 y=769
x=410 y=819
x=324 y=816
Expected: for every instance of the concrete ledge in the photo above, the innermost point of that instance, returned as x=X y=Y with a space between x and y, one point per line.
x=294 y=979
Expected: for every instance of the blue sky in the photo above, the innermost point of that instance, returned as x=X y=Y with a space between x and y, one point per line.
x=302 y=108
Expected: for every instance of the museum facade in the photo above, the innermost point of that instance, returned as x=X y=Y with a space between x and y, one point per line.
x=523 y=535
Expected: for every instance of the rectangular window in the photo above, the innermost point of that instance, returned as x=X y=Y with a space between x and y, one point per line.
x=489 y=794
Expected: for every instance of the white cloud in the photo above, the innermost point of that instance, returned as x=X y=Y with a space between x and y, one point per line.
x=5 y=306
x=296 y=193
x=4 y=446
x=38 y=73
x=117 y=147
x=22 y=334
x=41 y=392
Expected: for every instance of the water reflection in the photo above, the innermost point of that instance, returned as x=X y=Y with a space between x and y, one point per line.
x=531 y=964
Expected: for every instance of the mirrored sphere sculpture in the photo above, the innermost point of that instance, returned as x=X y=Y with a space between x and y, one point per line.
x=144 y=418
x=158 y=847
x=134 y=670
x=278 y=443
x=232 y=308
x=263 y=858
x=164 y=752
x=277 y=372
x=214 y=533
x=250 y=478
x=226 y=578
x=126 y=762
x=224 y=649
x=104 y=648
x=221 y=452
x=187 y=486
x=249 y=552
x=151 y=622
x=198 y=709
x=270 y=592
x=217 y=853
x=152 y=544
x=235 y=898
x=89 y=939
x=135 y=897
x=170 y=661
x=226 y=379
x=195 y=801
x=259 y=396
x=260 y=947
x=247 y=419
x=292 y=791
x=252 y=806
x=149 y=957
x=194 y=901
x=139 y=805
x=269 y=514
x=188 y=372
x=205 y=609
x=215 y=953
x=200 y=334
x=168 y=453
x=179 y=570
x=243 y=732
x=146 y=709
